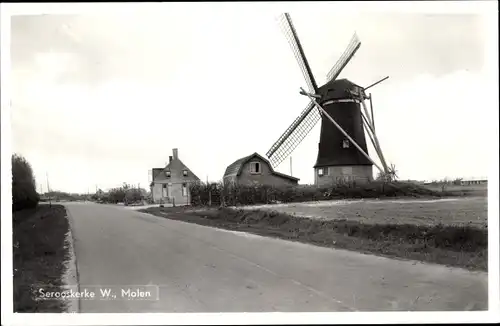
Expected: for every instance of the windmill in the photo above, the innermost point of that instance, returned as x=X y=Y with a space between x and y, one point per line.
x=340 y=105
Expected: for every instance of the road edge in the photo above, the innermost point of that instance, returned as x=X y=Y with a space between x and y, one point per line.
x=70 y=277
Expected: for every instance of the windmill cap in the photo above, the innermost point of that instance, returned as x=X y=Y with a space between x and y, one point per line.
x=338 y=89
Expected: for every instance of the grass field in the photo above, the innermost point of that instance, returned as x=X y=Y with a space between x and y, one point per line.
x=39 y=254
x=451 y=211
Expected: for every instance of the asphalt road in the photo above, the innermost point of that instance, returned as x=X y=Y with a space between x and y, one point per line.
x=203 y=269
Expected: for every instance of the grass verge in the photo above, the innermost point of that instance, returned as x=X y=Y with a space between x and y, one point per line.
x=39 y=255
x=459 y=246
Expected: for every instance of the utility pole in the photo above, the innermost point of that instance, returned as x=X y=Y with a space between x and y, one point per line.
x=48 y=189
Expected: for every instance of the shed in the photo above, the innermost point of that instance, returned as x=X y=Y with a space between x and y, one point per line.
x=256 y=169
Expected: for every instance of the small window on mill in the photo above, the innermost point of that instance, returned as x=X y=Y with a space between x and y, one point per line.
x=321 y=172
x=185 y=173
x=167 y=174
x=345 y=143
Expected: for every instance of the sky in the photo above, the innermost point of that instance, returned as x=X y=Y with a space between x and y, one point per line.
x=98 y=100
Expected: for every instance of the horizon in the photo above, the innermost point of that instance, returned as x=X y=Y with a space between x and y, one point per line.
x=148 y=189
x=111 y=107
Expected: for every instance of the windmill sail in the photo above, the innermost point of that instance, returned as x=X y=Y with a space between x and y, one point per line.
x=344 y=58
x=295 y=133
x=293 y=40
x=304 y=123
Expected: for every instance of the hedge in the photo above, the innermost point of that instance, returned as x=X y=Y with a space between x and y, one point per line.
x=203 y=194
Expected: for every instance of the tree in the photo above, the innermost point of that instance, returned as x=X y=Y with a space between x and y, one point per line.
x=116 y=195
x=24 y=193
x=444 y=183
x=133 y=195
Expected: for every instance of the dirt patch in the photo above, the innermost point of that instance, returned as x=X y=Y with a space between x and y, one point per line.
x=39 y=254
x=461 y=246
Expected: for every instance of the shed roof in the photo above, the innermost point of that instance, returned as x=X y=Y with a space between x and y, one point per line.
x=236 y=167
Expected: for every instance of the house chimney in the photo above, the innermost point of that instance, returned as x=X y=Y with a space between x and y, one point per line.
x=169 y=159
x=175 y=152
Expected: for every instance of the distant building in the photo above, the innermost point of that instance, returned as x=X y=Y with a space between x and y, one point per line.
x=472 y=181
x=171 y=183
x=461 y=181
x=255 y=169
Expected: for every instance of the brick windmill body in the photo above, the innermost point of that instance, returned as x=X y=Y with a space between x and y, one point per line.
x=342 y=151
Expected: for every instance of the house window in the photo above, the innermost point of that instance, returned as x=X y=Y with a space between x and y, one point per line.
x=184 y=189
x=345 y=143
x=322 y=171
x=255 y=168
x=167 y=174
x=185 y=173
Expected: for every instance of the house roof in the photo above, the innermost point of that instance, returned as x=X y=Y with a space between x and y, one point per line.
x=236 y=167
x=156 y=171
x=176 y=167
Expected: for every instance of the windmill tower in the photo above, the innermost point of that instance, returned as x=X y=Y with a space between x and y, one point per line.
x=342 y=150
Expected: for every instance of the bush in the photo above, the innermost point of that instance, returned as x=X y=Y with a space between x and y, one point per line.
x=24 y=193
x=124 y=194
x=116 y=195
x=133 y=195
x=233 y=195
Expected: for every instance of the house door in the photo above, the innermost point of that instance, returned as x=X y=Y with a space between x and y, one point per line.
x=169 y=190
